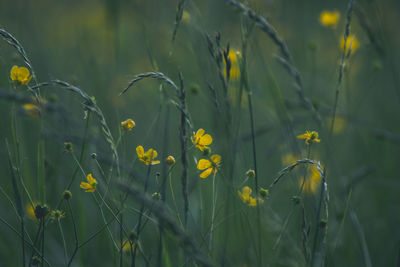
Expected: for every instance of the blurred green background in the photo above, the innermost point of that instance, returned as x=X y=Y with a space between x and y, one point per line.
x=99 y=46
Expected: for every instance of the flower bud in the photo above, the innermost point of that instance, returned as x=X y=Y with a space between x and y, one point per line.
x=67 y=195
x=250 y=174
x=170 y=160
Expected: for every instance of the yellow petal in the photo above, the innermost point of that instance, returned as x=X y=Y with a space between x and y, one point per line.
x=206 y=173
x=246 y=190
x=205 y=140
x=155 y=162
x=216 y=158
x=85 y=185
x=14 y=73
x=204 y=164
x=152 y=153
x=199 y=133
x=90 y=179
x=140 y=152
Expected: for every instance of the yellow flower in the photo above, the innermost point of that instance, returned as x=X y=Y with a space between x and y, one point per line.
x=234 y=71
x=30 y=210
x=147 y=157
x=209 y=166
x=329 y=18
x=32 y=110
x=310 y=137
x=128 y=124
x=127 y=246
x=289 y=159
x=20 y=75
x=312 y=183
x=352 y=42
x=201 y=140
x=185 y=17
x=170 y=160
x=91 y=185
x=245 y=196
x=340 y=124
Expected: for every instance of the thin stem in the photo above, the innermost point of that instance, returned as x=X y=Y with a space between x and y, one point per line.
x=63 y=240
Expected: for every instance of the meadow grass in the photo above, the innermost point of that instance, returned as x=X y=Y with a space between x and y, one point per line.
x=199 y=133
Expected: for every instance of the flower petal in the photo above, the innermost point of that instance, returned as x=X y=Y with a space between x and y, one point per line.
x=204 y=164
x=205 y=140
x=216 y=158
x=206 y=173
x=140 y=152
x=155 y=162
x=199 y=133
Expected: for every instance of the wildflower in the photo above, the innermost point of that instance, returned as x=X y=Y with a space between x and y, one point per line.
x=264 y=192
x=351 y=43
x=147 y=157
x=156 y=196
x=251 y=174
x=340 y=124
x=170 y=160
x=57 y=215
x=32 y=110
x=245 y=196
x=127 y=246
x=20 y=75
x=289 y=159
x=234 y=69
x=91 y=185
x=329 y=18
x=67 y=195
x=311 y=184
x=185 y=17
x=310 y=137
x=201 y=140
x=30 y=210
x=209 y=166
x=128 y=124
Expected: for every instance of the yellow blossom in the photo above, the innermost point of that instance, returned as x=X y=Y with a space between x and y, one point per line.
x=91 y=185
x=127 y=246
x=209 y=166
x=201 y=140
x=312 y=183
x=147 y=157
x=234 y=71
x=30 y=210
x=329 y=18
x=245 y=196
x=185 y=17
x=128 y=124
x=310 y=137
x=289 y=159
x=352 y=42
x=20 y=75
x=32 y=110
x=170 y=160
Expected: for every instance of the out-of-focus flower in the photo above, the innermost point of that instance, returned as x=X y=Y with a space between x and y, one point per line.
x=148 y=156
x=209 y=166
x=352 y=42
x=329 y=18
x=245 y=196
x=234 y=68
x=185 y=17
x=57 y=215
x=311 y=183
x=20 y=75
x=89 y=186
x=170 y=160
x=310 y=137
x=340 y=124
x=289 y=159
x=128 y=124
x=127 y=246
x=201 y=140
x=30 y=210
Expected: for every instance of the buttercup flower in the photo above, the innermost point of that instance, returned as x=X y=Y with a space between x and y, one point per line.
x=30 y=210
x=147 y=157
x=90 y=186
x=32 y=110
x=352 y=42
x=20 y=75
x=310 y=137
x=245 y=196
x=127 y=246
x=209 y=166
x=329 y=18
x=201 y=140
x=170 y=160
x=312 y=183
x=128 y=124
x=234 y=71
